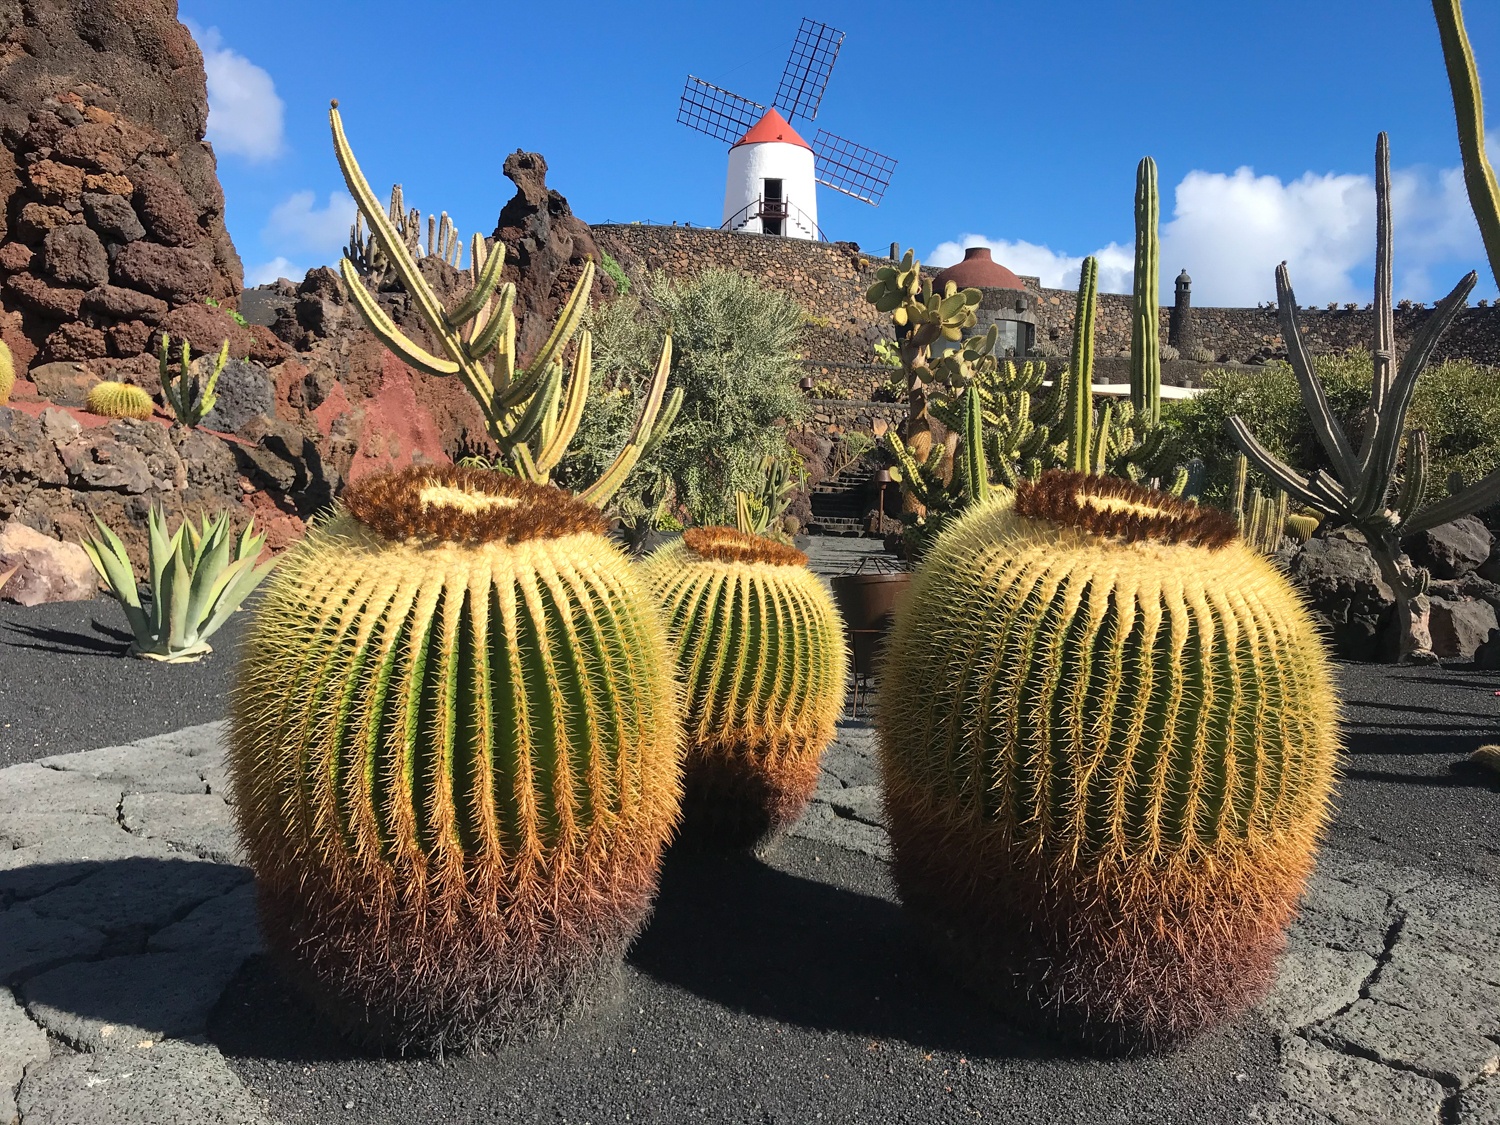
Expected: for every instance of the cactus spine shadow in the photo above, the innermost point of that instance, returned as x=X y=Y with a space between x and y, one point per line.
x=760 y=651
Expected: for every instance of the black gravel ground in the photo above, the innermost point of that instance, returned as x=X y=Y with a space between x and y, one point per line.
x=65 y=686
x=777 y=991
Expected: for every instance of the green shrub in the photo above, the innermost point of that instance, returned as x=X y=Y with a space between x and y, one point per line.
x=734 y=354
x=1457 y=402
x=615 y=272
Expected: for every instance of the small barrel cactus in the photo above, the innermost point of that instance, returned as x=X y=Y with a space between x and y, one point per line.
x=760 y=650
x=1108 y=737
x=118 y=400
x=454 y=753
x=7 y=372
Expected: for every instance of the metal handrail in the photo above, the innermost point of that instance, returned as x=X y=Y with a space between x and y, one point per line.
x=759 y=208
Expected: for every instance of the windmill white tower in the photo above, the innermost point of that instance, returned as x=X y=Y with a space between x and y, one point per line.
x=773 y=173
x=772 y=187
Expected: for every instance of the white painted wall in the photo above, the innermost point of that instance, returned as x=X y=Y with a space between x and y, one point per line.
x=751 y=165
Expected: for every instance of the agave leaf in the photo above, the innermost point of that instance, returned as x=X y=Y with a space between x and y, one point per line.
x=177 y=635
x=236 y=584
x=207 y=567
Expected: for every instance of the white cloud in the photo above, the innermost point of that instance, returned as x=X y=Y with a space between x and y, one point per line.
x=1230 y=230
x=298 y=225
x=267 y=272
x=244 y=111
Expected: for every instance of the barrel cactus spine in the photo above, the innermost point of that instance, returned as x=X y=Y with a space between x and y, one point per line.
x=760 y=651
x=118 y=400
x=1108 y=741
x=454 y=751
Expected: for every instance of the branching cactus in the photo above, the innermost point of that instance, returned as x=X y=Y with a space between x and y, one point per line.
x=1108 y=740
x=529 y=412
x=1365 y=489
x=760 y=650
x=190 y=396
x=454 y=753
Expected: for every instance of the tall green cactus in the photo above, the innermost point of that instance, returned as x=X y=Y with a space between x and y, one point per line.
x=190 y=397
x=761 y=654
x=1108 y=738
x=454 y=757
x=527 y=412
x=1145 y=346
x=1078 y=417
x=1468 y=107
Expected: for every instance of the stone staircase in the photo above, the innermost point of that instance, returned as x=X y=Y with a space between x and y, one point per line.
x=840 y=503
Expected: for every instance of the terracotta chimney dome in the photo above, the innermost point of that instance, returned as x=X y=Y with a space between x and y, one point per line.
x=977 y=271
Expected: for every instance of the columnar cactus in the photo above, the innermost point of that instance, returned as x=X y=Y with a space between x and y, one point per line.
x=454 y=753
x=760 y=650
x=1108 y=740
x=118 y=400
x=1145 y=344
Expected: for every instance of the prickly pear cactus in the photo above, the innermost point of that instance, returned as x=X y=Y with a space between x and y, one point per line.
x=760 y=650
x=1108 y=742
x=454 y=753
x=118 y=400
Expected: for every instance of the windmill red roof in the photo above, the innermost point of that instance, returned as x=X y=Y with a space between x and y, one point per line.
x=772 y=127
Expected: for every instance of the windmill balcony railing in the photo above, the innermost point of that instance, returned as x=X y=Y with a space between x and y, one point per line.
x=775 y=209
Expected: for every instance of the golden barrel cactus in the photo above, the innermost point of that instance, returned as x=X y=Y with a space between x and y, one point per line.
x=7 y=372
x=1108 y=737
x=760 y=650
x=454 y=753
x=119 y=400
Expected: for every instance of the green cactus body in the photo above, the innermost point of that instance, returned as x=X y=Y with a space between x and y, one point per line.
x=7 y=372
x=454 y=754
x=1079 y=408
x=1145 y=350
x=118 y=400
x=760 y=650
x=1108 y=741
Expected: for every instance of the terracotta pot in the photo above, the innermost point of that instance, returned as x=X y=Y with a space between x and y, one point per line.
x=868 y=603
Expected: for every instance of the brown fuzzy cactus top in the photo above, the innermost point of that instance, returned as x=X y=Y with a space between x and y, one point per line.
x=726 y=544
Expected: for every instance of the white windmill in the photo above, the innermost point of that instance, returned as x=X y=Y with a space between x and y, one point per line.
x=773 y=173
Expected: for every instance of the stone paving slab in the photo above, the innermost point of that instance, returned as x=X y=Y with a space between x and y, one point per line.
x=164 y=1084
x=123 y=915
x=21 y=1044
x=123 y=1001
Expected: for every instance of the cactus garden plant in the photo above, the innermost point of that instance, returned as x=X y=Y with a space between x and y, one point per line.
x=199 y=576
x=760 y=650
x=1108 y=739
x=190 y=396
x=118 y=400
x=454 y=752
x=7 y=372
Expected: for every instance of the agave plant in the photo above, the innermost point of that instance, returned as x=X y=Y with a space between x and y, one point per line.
x=199 y=577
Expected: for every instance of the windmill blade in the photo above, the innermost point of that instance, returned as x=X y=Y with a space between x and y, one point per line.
x=724 y=116
x=807 y=69
x=851 y=168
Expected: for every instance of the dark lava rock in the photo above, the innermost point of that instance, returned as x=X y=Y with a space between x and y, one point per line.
x=174 y=274
x=113 y=217
x=244 y=391
x=73 y=255
x=1346 y=593
x=546 y=246
x=1451 y=550
x=1460 y=627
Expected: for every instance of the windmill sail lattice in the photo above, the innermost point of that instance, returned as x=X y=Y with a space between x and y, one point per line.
x=724 y=116
x=807 y=69
x=841 y=164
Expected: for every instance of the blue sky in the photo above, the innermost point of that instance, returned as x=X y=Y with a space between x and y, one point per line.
x=1015 y=125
